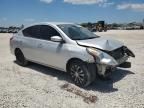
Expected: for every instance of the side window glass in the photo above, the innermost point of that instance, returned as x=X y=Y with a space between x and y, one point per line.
x=27 y=32
x=46 y=32
x=33 y=31
x=53 y=32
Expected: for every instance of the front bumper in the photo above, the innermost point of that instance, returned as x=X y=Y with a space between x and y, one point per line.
x=106 y=67
x=108 y=61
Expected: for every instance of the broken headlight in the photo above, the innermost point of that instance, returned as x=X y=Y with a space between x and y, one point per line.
x=101 y=57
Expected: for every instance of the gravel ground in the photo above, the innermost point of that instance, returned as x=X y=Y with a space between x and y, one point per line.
x=37 y=86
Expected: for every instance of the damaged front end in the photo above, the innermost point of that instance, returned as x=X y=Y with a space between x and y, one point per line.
x=107 y=61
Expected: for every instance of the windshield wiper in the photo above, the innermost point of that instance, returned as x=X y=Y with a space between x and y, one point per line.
x=85 y=38
x=89 y=38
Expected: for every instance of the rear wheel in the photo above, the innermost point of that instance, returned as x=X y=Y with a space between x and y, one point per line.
x=20 y=59
x=81 y=74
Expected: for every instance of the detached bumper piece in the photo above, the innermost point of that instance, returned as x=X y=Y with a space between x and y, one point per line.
x=125 y=65
x=117 y=54
x=129 y=52
x=120 y=52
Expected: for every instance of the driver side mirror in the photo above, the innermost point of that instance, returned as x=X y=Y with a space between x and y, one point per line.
x=56 y=39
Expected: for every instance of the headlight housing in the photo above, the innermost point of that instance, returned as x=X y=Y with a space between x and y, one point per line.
x=101 y=57
x=97 y=54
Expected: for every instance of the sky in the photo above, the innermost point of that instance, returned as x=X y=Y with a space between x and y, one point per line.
x=17 y=12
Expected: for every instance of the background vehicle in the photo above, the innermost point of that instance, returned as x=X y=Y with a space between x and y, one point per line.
x=70 y=48
x=101 y=26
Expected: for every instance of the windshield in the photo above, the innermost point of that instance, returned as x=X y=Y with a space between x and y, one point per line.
x=76 y=32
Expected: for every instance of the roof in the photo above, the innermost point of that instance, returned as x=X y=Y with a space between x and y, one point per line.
x=54 y=23
x=46 y=23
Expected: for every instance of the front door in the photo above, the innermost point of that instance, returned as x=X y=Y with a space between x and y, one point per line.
x=52 y=53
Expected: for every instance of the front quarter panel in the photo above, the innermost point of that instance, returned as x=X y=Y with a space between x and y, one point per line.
x=76 y=51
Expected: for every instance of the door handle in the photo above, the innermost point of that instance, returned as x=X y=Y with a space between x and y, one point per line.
x=40 y=46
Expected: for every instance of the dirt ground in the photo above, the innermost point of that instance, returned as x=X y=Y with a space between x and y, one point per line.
x=37 y=86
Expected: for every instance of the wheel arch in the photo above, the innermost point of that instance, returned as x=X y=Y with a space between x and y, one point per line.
x=71 y=60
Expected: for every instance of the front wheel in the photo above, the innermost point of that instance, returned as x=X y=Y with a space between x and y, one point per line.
x=80 y=73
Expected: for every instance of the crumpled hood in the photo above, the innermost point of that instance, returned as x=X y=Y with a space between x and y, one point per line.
x=101 y=43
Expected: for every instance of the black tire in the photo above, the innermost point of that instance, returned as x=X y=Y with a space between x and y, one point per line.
x=20 y=59
x=81 y=73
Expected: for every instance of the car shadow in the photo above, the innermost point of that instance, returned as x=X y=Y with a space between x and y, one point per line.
x=104 y=86
x=61 y=75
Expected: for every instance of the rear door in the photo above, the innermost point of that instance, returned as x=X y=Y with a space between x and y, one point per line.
x=30 y=42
